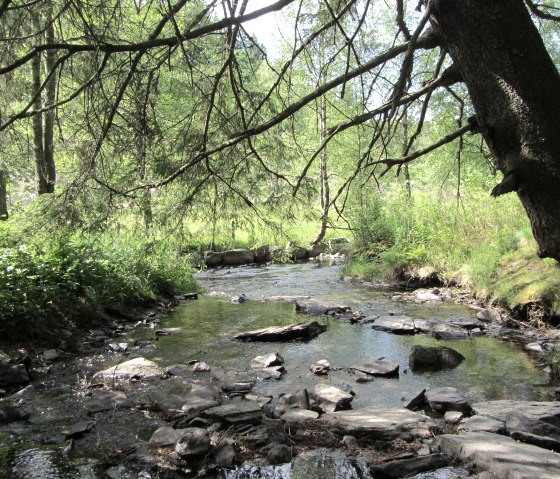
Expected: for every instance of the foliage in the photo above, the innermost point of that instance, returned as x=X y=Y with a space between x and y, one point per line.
x=47 y=281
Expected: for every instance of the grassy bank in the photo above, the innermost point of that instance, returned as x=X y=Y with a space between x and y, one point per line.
x=479 y=243
x=52 y=279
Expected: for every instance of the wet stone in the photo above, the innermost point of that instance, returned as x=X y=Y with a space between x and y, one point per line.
x=78 y=430
x=379 y=368
x=433 y=358
x=482 y=424
x=321 y=367
x=9 y=413
x=279 y=454
x=138 y=368
x=395 y=324
x=299 y=415
x=107 y=401
x=225 y=456
x=274 y=372
x=200 y=366
x=299 y=332
x=13 y=375
x=299 y=399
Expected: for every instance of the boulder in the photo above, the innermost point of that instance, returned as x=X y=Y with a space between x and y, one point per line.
x=267 y=360
x=236 y=412
x=235 y=257
x=382 y=423
x=330 y=398
x=262 y=254
x=194 y=441
x=447 y=399
x=212 y=259
x=200 y=367
x=298 y=331
x=78 y=430
x=13 y=375
x=321 y=367
x=500 y=456
x=316 y=250
x=296 y=252
x=433 y=358
x=137 y=368
x=489 y=315
x=379 y=368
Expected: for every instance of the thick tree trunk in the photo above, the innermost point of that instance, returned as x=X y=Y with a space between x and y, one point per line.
x=49 y=116
x=515 y=90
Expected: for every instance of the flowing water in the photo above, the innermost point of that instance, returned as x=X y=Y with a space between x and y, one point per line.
x=493 y=368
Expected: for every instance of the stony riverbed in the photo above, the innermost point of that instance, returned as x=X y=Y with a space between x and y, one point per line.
x=177 y=395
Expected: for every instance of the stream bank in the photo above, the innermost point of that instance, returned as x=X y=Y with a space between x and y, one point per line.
x=168 y=418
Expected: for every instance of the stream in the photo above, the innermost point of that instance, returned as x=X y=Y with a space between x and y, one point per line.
x=37 y=448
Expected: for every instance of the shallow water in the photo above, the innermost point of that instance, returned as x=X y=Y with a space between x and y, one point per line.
x=493 y=369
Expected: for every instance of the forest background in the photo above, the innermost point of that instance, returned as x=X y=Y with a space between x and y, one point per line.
x=134 y=135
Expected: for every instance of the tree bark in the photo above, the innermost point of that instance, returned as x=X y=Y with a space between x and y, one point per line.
x=49 y=116
x=515 y=90
x=3 y=195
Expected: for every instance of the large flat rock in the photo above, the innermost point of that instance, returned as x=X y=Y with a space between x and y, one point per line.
x=378 y=368
x=314 y=307
x=384 y=423
x=395 y=324
x=500 y=456
x=137 y=368
x=547 y=411
x=298 y=331
x=236 y=412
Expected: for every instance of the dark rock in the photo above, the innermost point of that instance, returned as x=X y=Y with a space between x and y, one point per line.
x=447 y=399
x=299 y=331
x=194 y=441
x=350 y=441
x=9 y=413
x=225 y=456
x=379 y=368
x=279 y=454
x=409 y=467
x=236 y=257
x=196 y=404
x=212 y=259
x=13 y=375
x=339 y=245
x=117 y=347
x=296 y=252
x=178 y=369
x=236 y=412
x=316 y=250
x=107 y=401
x=417 y=401
x=433 y=358
x=241 y=387
x=51 y=354
x=78 y=430
x=262 y=254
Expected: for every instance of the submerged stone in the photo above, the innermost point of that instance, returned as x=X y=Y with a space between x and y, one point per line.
x=298 y=331
x=379 y=368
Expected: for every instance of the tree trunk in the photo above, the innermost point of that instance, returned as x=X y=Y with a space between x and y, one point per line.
x=3 y=195
x=515 y=90
x=38 y=145
x=49 y=116
x=323 y=175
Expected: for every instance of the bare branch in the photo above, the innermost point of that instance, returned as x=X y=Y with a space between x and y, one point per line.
x=536 y=9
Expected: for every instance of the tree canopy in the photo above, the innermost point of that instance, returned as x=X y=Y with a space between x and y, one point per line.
x=117 y=103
